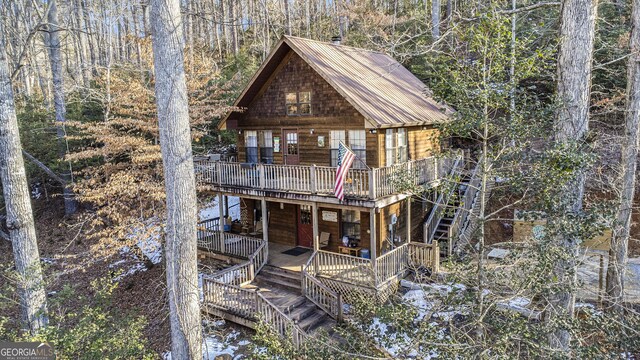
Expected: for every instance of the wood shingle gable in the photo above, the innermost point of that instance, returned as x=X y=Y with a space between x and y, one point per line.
x=384 y=92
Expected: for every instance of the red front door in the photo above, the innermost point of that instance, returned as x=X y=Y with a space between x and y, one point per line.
x=305 y=226
x=291 y=155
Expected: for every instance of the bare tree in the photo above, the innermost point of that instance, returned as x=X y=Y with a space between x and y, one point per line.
x=435 y=19
x=22 y=232
x=53 y=36
x=175 y=142
x=575 y=55
x=620 y=241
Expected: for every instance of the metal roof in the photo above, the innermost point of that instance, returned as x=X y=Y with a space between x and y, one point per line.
x=379 y=87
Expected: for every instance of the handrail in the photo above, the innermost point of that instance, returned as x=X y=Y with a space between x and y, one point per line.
x=462 y=212
x=278 y=320
x=321 y=295
x=318 y=180
x=439 y=206
x=391 y=263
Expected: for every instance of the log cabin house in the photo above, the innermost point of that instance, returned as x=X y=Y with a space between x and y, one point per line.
x=305 y=98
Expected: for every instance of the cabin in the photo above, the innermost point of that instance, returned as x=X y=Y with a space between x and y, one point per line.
x=306 y=98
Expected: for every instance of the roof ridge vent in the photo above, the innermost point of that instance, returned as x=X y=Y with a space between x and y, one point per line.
x=335 y=40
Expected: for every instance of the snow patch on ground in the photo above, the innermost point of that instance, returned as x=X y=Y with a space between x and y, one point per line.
x=223 y=341
x=211 y=210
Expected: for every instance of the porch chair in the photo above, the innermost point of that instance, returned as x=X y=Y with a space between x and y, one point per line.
x=324 y=239
x=258 y=229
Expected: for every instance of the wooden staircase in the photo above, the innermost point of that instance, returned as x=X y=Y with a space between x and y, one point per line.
x=283 y=288
x=454 y=215
x=443 y=229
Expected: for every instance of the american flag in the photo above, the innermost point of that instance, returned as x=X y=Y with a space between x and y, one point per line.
x=345 y=159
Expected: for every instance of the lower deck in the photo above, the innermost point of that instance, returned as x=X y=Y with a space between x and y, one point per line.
x=280 y=256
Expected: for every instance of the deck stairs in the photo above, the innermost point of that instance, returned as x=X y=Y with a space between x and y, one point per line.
x=455 y=213
x=283 y=288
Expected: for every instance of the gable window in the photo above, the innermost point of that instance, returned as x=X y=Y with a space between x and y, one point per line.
x=395 y=143
x=298 y=103
x=335 y=136
x=358 y=143
x=251 y=145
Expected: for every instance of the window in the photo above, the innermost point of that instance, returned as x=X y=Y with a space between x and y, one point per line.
x=251 y=145
x=335 y=136
x=402 y=145
x=259 y=146
x=292 y=143
x=358 y=143
x=390 y=146
x=305 y=214
x=351 y=224
x=396 y=146
x=298 y=103
x=265 y=141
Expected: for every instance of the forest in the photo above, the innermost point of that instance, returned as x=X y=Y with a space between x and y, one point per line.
x=105 y=103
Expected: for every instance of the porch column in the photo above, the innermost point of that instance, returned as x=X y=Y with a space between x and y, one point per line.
x=408 y=219
x=314 y=219
x=221 y=223
x=265 y=221
x=220 y=213
x=373 y=236
x=226 y=205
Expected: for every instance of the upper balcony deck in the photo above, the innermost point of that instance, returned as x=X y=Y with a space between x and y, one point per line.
x=361 y=184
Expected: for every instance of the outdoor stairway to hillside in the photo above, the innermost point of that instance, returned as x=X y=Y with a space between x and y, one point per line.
x=282 y=287
x=442 y=232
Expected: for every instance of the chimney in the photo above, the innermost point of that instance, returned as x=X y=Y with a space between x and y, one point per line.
x=335 y=40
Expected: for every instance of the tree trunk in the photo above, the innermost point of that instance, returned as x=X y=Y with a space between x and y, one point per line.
x=83 y=44
x=70 y=205
x=574 y=81
x=620 y=240
x=31 y=291
x=175 y=142
x=287 y=17
x=435 y=19
x=232 y=28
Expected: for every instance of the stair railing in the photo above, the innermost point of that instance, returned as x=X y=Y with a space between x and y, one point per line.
x=440 y=206
x=278 y=321
x=314 y=290
x=466 y=205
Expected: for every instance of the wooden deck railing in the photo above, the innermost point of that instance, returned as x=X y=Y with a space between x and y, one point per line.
x=281 y=323
x=392 y=263
x=347 y=268
x=325 y=298
x=319 y=180
x=424 y=255
x=212 y=239
x=224 y=290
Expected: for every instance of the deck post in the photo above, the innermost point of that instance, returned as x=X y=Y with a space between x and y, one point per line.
x=314 y=219
x=372 y=184
x=313 y=186
x=265 y=220
x=373 y=244
x=261 y=177
x=221 y=223
x=408 y=214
